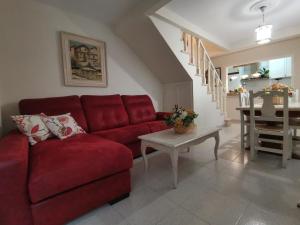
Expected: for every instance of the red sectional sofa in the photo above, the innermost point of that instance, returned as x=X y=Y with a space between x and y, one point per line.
x=56 y=180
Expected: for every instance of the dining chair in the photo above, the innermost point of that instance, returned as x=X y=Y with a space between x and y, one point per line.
x=295 y=123
x=244 y=101
x=275 y=130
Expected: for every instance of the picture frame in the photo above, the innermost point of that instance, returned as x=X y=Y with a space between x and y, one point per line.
x=84 y=61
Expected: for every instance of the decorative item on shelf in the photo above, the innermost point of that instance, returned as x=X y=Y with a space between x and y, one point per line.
x=279 y=87
x=238 y=90
x=182 y=120
x=264 y=73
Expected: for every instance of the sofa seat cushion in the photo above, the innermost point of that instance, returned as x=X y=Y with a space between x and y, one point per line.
x=139 y=108
x=125 y=135
x=61 y=165
x=157 y=125
x=104 y=112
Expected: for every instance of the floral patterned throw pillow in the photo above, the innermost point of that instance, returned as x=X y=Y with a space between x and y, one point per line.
x=63 y=126
x=33 y=127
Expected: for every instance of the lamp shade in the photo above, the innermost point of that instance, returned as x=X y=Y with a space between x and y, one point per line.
x=263 y=34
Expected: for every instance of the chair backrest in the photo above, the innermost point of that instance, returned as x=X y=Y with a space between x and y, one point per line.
x=268 y=110
x=244 y=99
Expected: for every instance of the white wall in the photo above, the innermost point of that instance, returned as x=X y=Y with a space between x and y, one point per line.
x=209 y=115
x=30 y=57
x=261 y=53
x=178 y=93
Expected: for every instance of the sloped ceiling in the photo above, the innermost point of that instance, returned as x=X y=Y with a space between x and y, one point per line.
x=232 y=21
x=106 y=11
x=141 y=35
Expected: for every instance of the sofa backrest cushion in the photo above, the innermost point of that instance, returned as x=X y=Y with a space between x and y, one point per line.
x=55 y=106
x=104 y=112
x=139 y=108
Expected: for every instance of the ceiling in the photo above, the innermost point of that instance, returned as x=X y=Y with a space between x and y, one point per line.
x=234 y=23
x=106 y=11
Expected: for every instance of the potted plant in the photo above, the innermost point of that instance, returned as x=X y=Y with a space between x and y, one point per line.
x=264 y=73
x=182 y=120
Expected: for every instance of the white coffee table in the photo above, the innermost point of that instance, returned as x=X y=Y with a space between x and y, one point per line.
x=172 y=143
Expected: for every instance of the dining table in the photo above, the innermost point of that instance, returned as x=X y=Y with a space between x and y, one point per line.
x=294 y=112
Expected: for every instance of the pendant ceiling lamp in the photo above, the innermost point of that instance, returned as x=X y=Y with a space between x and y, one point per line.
x=263 y=32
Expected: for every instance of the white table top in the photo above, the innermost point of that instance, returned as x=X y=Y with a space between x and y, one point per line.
x=170 y=139
x=294 y=106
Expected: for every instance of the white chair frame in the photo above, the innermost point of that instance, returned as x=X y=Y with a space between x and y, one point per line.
x=244 y=100
x=268 y=114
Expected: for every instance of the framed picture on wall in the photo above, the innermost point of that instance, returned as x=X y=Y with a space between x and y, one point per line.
x=84 y=61
x=219 y=71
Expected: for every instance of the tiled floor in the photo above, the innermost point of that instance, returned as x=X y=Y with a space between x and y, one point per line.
x=223 y=192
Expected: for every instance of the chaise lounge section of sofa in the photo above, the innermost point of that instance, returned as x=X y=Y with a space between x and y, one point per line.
x=56 y=180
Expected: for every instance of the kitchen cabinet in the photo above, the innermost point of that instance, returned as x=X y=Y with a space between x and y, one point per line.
x=280 y=68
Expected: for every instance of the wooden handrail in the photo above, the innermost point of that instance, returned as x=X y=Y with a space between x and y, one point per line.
x=199 y=57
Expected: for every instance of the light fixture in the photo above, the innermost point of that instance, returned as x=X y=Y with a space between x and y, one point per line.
x=263 y=32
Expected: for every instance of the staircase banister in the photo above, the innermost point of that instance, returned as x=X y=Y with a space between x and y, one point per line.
x=210 y=77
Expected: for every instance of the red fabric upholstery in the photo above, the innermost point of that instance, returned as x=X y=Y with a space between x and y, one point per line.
x=55 y=106
x=70 y=177
x=104 y=112
x=157 y=125
x=139 y=108
x=162 y=115
x=69 y=205
x=14 y=202
x=125 y=135
x=60 y=165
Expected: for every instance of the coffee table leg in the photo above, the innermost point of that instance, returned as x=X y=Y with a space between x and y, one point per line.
x=174 y=161
x=143 y=151
x=217 y=138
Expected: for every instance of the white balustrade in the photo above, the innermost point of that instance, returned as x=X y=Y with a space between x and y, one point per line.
x=199 y=57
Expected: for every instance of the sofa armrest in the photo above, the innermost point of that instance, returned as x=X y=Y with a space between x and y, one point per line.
x=162 y=115
x=15 y=206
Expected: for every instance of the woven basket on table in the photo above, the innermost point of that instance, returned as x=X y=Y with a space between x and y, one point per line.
x=184 y=129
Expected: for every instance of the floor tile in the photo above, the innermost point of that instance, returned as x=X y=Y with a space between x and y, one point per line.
x=151 y=213
x=216 y=209
x=180 y=216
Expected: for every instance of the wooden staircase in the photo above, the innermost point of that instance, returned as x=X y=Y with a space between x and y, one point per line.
x=198 y=57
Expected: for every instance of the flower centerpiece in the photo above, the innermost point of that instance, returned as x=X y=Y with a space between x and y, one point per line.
x=279 y=87
x=182 y=120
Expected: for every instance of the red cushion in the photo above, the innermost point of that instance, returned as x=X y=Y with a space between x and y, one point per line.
x=55 y=106
x=104 y=112
x=139 y=108
x=60 y=165
x=125 y=135
x=157 y=125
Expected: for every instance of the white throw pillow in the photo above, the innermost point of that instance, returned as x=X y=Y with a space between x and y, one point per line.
x=63 y=126
x=33 y=127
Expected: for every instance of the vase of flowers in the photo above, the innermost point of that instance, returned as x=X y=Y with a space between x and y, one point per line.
x=182 y=120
